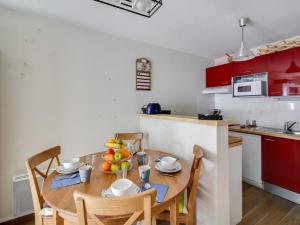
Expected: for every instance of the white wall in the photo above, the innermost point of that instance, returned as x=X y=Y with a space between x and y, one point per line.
x=266 y=111
x=67 y=85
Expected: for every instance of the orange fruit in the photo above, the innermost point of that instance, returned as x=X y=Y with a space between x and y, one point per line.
x=125 y=152
x=106 y=166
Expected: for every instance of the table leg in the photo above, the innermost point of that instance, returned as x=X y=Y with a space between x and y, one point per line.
x=174 y=212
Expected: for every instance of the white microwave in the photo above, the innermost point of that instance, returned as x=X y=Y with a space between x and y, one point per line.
x=251 y=88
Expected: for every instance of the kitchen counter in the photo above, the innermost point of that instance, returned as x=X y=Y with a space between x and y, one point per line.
x=188 y=119
x=273 y=132
x=176 y=134
x=234 y=141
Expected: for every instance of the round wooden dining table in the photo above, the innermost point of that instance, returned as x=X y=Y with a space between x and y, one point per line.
x=62 y=199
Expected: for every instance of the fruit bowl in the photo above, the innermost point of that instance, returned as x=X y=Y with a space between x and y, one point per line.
x=115 y=143
x=115 y=159
x=113 y=172
x=107 y=159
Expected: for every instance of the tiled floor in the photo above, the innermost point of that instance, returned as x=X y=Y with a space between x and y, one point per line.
x=261 y=208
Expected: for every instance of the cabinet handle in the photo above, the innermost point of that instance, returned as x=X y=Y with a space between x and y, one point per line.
x=268 y=139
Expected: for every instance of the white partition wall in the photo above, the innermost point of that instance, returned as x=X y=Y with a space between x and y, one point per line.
x=177 y=135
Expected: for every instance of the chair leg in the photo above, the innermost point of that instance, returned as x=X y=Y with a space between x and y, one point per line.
x=154 y=220
x=38 y=219
x=58 y=220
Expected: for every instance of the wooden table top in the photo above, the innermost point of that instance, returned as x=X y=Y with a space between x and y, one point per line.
x=63 y=201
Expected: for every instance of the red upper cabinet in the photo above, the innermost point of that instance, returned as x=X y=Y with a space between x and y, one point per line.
x=256 y=65
x=281 y=162
x=278 y=65
x=219 y=75
x=294 y=71
x=283 y=72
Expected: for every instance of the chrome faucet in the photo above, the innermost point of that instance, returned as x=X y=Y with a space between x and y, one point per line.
x=288 y=126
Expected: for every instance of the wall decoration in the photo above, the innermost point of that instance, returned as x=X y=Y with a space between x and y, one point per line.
x=143 y=74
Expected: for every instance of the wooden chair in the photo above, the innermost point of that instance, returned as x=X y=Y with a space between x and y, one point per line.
x=135 y=137
x=94 y=208
x=32 y=167
x=188 y=218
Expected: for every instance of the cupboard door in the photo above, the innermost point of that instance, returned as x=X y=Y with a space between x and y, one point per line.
x=279 y=78
x=218 y=75
x=281 y=162
x=294 y=71
x=256 y=65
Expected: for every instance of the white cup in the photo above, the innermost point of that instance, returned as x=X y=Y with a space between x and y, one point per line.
x=168 y=162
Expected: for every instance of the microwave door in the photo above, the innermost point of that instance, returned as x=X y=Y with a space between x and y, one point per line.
x=242 y=90
x=248 y=89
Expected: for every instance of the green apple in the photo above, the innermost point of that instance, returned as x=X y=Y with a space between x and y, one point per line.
x=118 y=156
x=125 y=165
x=114 y=167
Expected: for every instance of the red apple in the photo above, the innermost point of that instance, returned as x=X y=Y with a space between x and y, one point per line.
x=110 y=151
x=109 y=157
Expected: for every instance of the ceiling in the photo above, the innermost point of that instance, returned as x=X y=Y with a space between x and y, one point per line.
x=206 y=28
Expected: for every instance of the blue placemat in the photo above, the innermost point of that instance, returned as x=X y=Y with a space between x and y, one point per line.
x=161 y=191
x=65 y=180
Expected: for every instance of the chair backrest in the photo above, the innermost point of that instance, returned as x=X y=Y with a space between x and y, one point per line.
x=32 y=168
x=194 y=178
x=135 y=137
x=92 y=207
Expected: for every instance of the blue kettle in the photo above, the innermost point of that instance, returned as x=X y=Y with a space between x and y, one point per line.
x=151 y=108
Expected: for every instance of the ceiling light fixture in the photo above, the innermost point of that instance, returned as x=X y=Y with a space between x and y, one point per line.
x=140 y=7
x=243 y=53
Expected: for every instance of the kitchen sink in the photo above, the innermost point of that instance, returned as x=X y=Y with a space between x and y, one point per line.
x=297 y=133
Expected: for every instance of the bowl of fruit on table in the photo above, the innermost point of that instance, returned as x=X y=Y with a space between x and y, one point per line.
x=115 y=160
x=115 y=143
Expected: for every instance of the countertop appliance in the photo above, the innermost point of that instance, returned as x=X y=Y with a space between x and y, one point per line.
x=250 y=85
x=151 y=108
x=214 y=115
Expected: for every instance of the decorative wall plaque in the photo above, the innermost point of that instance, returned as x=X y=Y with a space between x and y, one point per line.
x=143 y=74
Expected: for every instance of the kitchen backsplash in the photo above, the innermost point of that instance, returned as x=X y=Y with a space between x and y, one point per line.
x=267 y=112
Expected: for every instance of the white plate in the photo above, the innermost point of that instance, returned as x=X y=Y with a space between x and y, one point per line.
x=176 y=169
x=108 y=193
x=62 y=170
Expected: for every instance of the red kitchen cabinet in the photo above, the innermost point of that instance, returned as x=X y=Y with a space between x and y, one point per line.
x=218 y=75
x=221 y=75
x=283 y=78
x=256 y=65
x=294 y=71
x=281 y=162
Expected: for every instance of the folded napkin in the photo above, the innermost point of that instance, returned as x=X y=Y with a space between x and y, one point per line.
x=161 y=190
x=65 y=180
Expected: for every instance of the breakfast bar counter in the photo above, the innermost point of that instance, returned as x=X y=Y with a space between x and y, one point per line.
x=188 y=119
x=178 y=134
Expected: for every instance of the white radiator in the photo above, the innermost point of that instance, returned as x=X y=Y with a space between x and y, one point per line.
x=22 y=200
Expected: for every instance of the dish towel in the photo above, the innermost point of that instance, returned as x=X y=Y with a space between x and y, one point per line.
x=161 y=190
x=65 y=180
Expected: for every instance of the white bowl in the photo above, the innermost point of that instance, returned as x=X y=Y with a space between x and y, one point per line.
x=121 y=187
x=70 y=164
x=168 y=162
